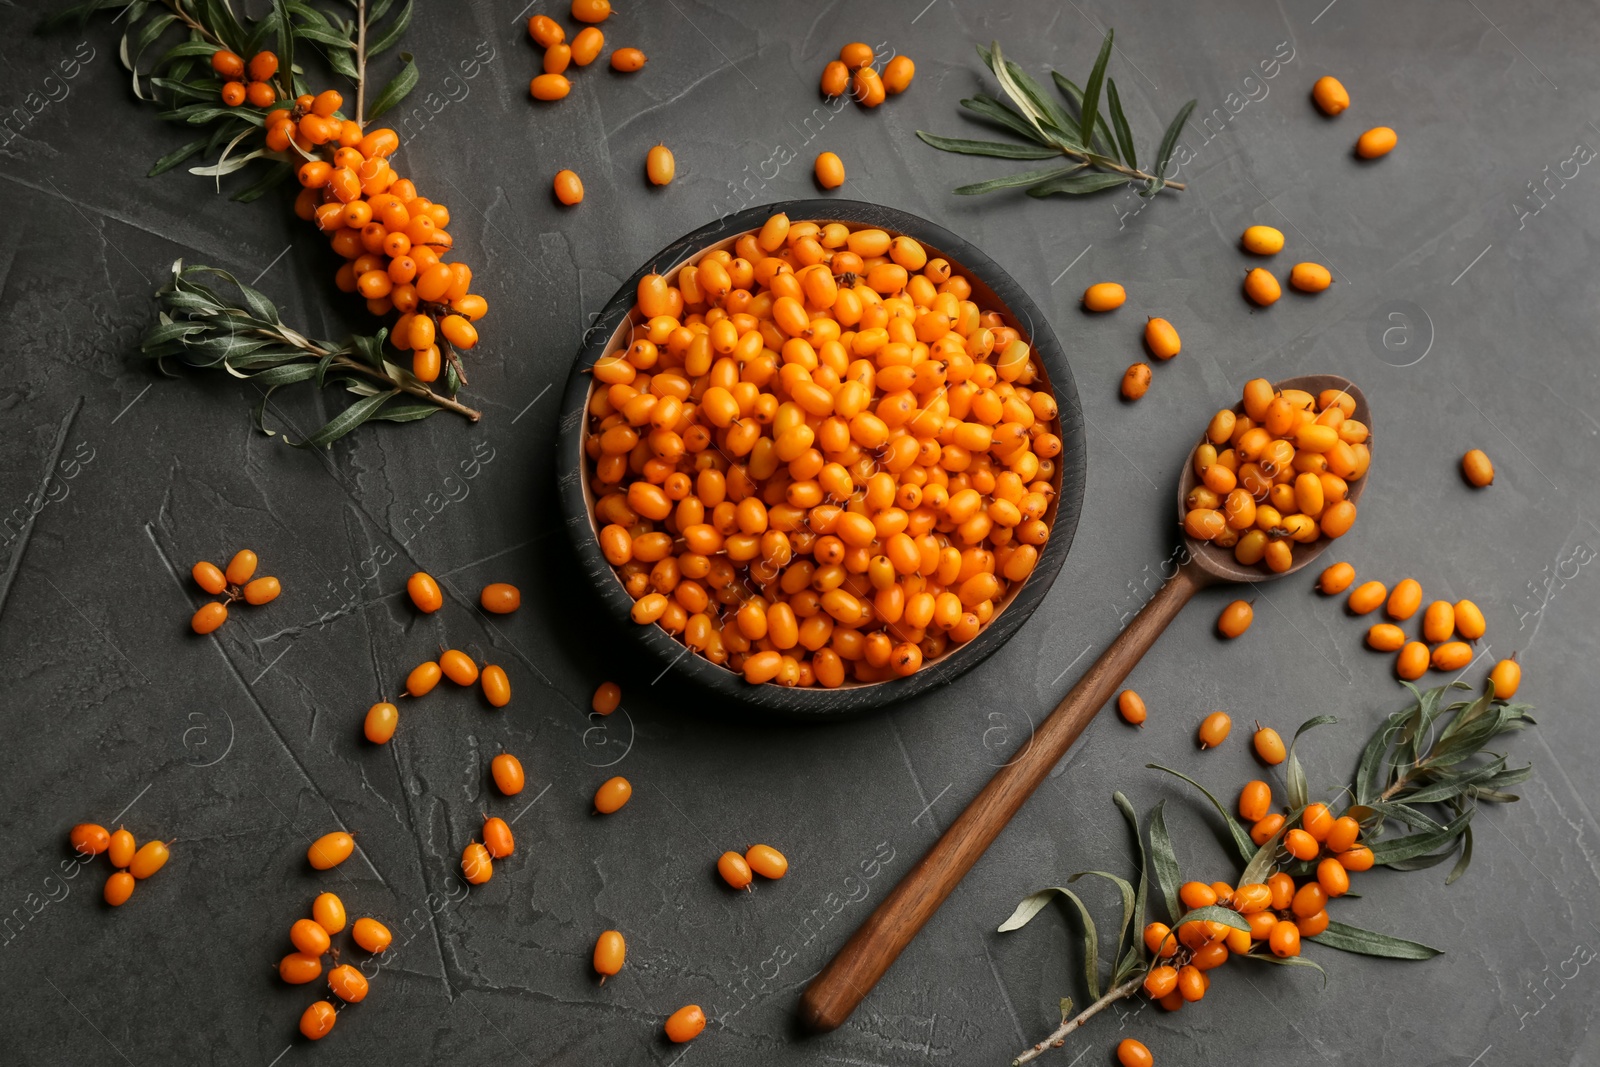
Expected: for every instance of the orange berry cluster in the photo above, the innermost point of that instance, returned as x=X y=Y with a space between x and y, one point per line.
x=1282 y=475
x=392 y=240
x=477 y=859
x=500 y=598
x=312 y=939
x=236 y=582
x=819 y=457
x=1278 y=911
x=739 y=871
x=133 y=863
x=1160 y=337
x=854 y=73
x=259 y=91
x=1442 y=623
x=584 y=49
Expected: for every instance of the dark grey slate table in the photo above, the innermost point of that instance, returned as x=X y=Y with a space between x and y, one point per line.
x=1465 y=304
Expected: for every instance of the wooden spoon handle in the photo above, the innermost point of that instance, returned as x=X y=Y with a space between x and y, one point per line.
x=846 y=980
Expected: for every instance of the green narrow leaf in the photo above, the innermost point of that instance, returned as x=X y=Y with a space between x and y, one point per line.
x=392 y=34
x=1002 y=73
x=1119 y=123
x=1078 y=184
x=1369 y=771
x=407 y=411
x=1214 y=913
x=1089 y=114
x=1367 y=943
x=1286 y=961
x=1405 y=848
x=369 y=347
x=274 y=177
x=998 y=149
x=1141 y=893
x=1012 y=181
x=397 y=89
x=1165 y=861
x=347 y=420
x=1102 y=132
x=175 y=157
x=289 y=374
x=998 y=112
x=1169 y=140
x=1299 y=792
x=1241 y=837
x=1126 y=890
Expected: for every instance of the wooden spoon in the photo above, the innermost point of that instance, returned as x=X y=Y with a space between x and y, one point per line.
x=851 y=974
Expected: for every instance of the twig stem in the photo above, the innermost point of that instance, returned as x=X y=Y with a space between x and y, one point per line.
x=361 y=63
x=1126 y=989
x=176 y=7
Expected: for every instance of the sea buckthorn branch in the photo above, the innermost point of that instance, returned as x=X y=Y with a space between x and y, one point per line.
x=248 y=340
x=1295 y=863
x=1101 y=155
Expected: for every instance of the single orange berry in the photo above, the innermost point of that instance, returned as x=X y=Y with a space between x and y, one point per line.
x=1282 y=887
x=500 y=598
x=380 y=723
x=1284 y=939
x=1366 y=597
x=506 y=770
x=1235 y=619
x=1159 y=941
x=477 y=866
x=660 y=166
x=1131 y=1053
x=835 y=79
x=1162 y=339
x=422 y=679
x=1300 y=845
x=685 y=1024
x=1336 y=579
x=1159 y=981
x=330 y=850
x=1333 y=878
x=241 y=567
x=1191 y=983
x=298 y=968
x=830 y=170
x=119 y=887
x=1255 y=801
x=309 y=937
x=568 y=187
x=546 y=31
x=1269 y=746
x=1266 y=827
x=549 y=87
x=607 y=698
x=260 y=94
x=766 y=861
x=1261 y=287
x=497 y=838
x=734 y=870
x=316 y=1022
x=263 y=65
x=150 y=858
x=458 y=667
x=1412 y=663
x=1130 y=706
x=89 y=839
x=496 y=686
x=1104 y=296
x=1330 y=95
x=1317 y=821
x=209 y=576
x=586 y=46
x=1343 y=834
x=1405 y=600
x=209 y=617
x=228 y=64
x=1477 y=468
x=855 y=55
x=348 y=984
x=121 y=847
x=424 y=592
x=262 y=591
x=612 y=795
x=591 y=10
x=627 y=60
x=328 y=911
x=1506 y=678
x=1214 y=730
x=1359 y=858
x=610 y=952
x=371 y=934
x=1197 y=895
x=1378 y=141
x=1136 y=381
x=897 y=75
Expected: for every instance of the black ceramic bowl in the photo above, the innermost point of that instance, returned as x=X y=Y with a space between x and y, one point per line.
x=992 y=288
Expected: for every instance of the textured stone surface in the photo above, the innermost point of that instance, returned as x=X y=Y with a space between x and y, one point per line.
x=243 y=748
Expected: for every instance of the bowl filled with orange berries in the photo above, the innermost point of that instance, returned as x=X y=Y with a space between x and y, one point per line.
x=821 y=455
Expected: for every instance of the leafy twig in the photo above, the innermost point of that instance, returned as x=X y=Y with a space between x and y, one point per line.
x=1083 y=138
x=1059 y=1036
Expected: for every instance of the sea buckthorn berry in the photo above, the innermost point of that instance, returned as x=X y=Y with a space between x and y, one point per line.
x=497 y=838
x=262 y=591
x=327 y=102
x=1317 y=821
x=506 y=770
x=208 y=577
x=89 y=839
x=1366 y=597
x=830 y=170
x=897 y=75
x=1249 y=899
x=1136 y=381
x=734 y=870
x=496 y=686
x=627 y=60
x=612 y=795
x=557 y=58
x=330 y=850
x=1300 y=845
x=591 y=10
x=855 y=55
x=328 y=912
x=1469 y=620
x=1386 y=637
x=1132 y=1053
x=234 y=93
x=1255 y=801
x=501 y=598
x=371 y=935
x=1311 y=925
x=424 y=592
x=120 y=849
x=1330 y=95
x=348 y=984
x=1506 y=677
x=1412 y=663
x=1208 y=957
x=228 y=64
x=586 y=46
x=1269 y=746
x=298 y=968
x=241 y=567
x=1160 y=981
x=309 y=937
x=1104 y=296
x=209 y=617
x=1284 y=939
x=546 y=31
x=1309 y=899
x=1343 y=834
x=1131 y=707
x=477 y=866
x=458 y=667
x=263 y=65
x=1439 y=621
x=1235 y=619
x=1405 y=600
x=1452 y=656
x=1196 y=895
x=1158 y=940
x=1310 y=277
x=1359 y=858
x=1191 y=983
x=1162 y=339
x=1332 y=878
x=568 y=187
x=610 y=952
x=1214 y=730
x=549 y=87
x=685 y=1024
x=1378 y=141
x=260 y=94
x=766 y=861
x=150 y=858
x=1336 y=579
x=835 y=79
x=1282 y=887
x=607 y=698
x=1477 y=468
x=659 y=165
x=1261 y=287
x=1262 y=240
x=316 y=1022
x=422 y=679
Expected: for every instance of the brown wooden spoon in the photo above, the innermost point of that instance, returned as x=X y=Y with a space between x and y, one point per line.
x=851 y=974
